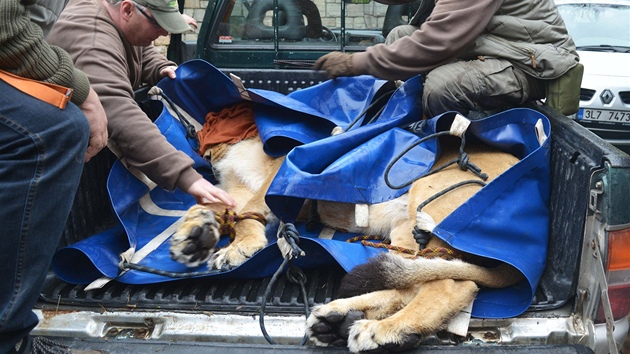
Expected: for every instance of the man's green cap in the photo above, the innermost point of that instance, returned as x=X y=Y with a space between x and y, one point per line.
x=166 y=13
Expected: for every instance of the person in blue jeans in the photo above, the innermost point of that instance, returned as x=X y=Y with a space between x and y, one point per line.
x=43 y=148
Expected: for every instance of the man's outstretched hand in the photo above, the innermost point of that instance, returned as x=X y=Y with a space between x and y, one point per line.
x=335 y=64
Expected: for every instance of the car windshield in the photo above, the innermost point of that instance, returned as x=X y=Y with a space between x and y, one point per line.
x=598 y=26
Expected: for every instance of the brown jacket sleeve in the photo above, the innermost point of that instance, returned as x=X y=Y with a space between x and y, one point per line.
x=451 y=28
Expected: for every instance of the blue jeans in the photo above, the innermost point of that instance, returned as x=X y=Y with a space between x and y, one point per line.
x=42 y=149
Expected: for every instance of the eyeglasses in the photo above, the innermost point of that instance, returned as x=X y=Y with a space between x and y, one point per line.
x=151 y=19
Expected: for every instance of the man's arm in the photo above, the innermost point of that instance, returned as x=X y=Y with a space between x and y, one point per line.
x=153 y=63
x=450 y=29
x=24 y=52
x=46 y=12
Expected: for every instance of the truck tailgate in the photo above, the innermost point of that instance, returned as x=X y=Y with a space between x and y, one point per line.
x=233 y=348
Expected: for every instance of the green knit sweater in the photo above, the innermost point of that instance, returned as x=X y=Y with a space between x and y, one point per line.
x=24 y=52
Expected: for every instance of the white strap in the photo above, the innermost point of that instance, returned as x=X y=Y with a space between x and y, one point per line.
x=424 y=221
x=459 y=323
x=362 y=215
x=156 y=241
x=460 y=125
x=98 y=283
x=241 y=88
x=540 y=132
x=326 y=234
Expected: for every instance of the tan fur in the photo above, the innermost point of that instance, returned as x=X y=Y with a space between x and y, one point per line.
x=427 y=296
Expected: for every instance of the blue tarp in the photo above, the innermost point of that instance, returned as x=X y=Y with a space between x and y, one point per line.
x=506 y=221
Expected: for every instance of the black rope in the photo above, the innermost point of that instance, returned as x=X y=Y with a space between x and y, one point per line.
x=448 y=189
x=423 y=237
x=463 y=161
x=376 y=115
x=146 y=269
x=292 y=236
x=391 y=164
x=294 y=274
x=374 y=103
x=191 y=133
x=261 y=313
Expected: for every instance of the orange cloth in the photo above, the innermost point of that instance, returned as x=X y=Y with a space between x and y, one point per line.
x=229 y=126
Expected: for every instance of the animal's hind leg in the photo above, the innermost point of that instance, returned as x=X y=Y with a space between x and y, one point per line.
x=329 y=324
x=402 y=236
x=435 y=304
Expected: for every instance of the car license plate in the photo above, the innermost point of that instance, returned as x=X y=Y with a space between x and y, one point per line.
x=603 y=115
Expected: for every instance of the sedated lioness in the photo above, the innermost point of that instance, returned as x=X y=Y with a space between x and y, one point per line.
x=412 y=297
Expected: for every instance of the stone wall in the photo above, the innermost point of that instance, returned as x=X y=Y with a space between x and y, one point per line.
x=193 y=8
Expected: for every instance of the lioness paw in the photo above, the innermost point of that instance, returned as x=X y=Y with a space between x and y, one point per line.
x=326 y=327
x=370 y=336
x=194 y=241
x=234 y=254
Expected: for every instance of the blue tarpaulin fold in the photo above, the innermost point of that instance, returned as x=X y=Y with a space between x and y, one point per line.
x=506 y=221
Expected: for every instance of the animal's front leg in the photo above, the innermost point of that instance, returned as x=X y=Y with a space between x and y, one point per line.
x=250 y=238
x=249 y=233
x=436 y=303
x=329 y=324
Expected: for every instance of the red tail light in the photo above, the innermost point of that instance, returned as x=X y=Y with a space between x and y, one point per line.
x=617 y=275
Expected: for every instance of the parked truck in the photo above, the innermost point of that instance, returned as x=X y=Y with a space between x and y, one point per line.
x=582 y=301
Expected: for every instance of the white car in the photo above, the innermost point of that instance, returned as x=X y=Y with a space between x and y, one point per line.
x=601 y=31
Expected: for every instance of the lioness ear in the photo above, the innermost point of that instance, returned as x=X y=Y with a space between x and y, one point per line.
x=207 y=155
x=215 y=153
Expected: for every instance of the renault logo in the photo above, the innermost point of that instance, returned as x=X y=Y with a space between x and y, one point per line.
x=606 y=96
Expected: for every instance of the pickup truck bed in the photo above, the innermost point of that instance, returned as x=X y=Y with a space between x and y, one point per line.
x=202 y=316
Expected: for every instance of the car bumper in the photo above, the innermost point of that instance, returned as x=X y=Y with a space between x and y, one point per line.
x=545 y=332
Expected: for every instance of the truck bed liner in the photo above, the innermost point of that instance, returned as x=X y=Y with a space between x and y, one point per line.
x=216 y=295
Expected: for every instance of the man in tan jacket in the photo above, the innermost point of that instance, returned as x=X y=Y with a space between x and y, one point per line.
x=111 y=41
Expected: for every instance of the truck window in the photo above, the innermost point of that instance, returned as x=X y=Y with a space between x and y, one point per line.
x=297 y=29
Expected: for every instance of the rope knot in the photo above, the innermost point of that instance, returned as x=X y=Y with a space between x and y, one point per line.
x=227 y=221
x=422 y=237
x=291 y=235
x=463 y=161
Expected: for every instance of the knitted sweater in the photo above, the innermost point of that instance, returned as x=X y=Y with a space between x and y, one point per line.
x=24 y=52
